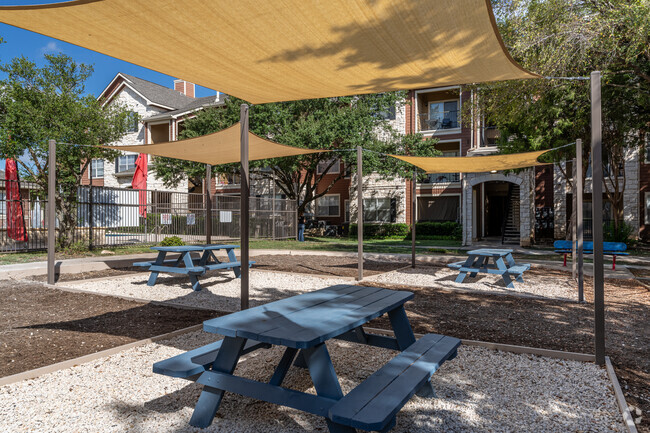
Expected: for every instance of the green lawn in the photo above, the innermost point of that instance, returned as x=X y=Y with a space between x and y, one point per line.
x=370 y=246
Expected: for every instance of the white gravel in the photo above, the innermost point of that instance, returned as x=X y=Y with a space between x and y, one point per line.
x=480 y=391
x=221 y=291
x=548 y=286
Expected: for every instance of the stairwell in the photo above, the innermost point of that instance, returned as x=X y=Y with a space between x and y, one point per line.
x=510 y=227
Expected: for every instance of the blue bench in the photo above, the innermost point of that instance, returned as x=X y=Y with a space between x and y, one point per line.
x=189 y=365
x=373 y=404
x=609 y=248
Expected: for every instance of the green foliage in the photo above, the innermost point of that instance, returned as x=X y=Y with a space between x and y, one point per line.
x=73 y=248
x=332 y=124
x=381 y=231
x=572 y=38
x=444 y=229
x=172 y=241
x=42 y=103
x=622 y=232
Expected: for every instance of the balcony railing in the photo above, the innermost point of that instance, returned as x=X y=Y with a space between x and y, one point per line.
x=444 y=120
x=442 y=178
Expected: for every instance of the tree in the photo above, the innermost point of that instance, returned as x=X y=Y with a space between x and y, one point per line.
x=571 y=38
x=39 y=104
x=338 y=124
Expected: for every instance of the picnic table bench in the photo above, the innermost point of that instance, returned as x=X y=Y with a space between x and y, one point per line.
x=302 y=324
x=193 y=266
x=609 y=248
x=478 y=262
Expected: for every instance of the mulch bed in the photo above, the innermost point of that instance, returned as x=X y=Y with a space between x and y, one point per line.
x=41 y=326
x=57 y=319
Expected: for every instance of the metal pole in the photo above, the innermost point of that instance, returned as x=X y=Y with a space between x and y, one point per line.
x=51 y=210
x=244 y=217
x=360 y=211
x=574 y=222
x=91 y=219
x=413 y=220
x=273 y=208
x=579 y=218
x=597 y=216
x=208 y=204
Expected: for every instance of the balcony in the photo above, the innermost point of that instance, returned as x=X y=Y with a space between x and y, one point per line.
x=438 y=111
x=442 y=178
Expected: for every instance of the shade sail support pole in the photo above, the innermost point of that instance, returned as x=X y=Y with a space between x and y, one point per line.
x=597 y=215
x=413 y=219
x=208 y=204
x=579 y=219
x=51 y=210
x=244 y=214
x=360 y=211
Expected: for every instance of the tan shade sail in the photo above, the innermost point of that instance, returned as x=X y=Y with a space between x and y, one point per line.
x=474 y=164
x=218 y=148
x=280 y=50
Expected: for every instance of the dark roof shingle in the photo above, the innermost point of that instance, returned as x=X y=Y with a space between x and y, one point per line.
x=158 y=94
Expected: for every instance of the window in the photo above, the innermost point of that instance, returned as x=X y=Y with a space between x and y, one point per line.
x=377 y=210
x=322 y=167
x=133 y=122
x=443 y=115
x=125 y=163
x=647 y=208
x=328 y=206
x=347 y=210
x=97 y=168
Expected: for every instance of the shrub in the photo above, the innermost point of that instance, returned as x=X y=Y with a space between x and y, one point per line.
x=622 y=234
x=381 y=231
x=172 y=241
x=448 y=229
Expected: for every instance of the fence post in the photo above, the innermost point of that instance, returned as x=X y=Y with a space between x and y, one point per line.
x=208 y=204
x=156 y=211
x=51 y=210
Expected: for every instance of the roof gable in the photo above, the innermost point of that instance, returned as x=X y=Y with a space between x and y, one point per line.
x=153 y=93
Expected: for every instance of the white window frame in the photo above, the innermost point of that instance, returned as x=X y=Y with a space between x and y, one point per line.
x=375 y=220
x=94 y=168
x=457 y=101
x=335 y=169
x=338 y=205
x=119 y=164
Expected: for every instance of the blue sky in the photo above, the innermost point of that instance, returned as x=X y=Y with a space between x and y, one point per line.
x=20 y=42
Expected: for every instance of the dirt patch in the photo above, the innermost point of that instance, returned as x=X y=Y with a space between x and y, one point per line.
x=547 y=323
x=92 y=274
x=41 y=326
x=324 y=265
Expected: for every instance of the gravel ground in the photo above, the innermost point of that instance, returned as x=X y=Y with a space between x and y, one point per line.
x=549 y=284
x=481 y=390
x=220 y=291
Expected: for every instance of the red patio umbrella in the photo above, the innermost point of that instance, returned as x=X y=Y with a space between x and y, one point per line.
x=15 y=217
x=139 y=182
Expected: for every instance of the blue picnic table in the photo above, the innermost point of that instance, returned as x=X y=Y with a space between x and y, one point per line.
x=302 y=324
x=503 y=264
x=192 y=266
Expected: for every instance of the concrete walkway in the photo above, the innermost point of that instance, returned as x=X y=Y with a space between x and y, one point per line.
x=98 y=263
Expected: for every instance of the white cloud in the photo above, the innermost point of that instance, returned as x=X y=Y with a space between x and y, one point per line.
x=50 y=48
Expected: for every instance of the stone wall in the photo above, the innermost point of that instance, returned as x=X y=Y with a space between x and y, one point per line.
x=376 y=186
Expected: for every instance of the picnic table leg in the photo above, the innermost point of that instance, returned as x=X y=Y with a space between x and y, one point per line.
x=405 y=337
x=160 y=260
x=210 y=399
x=504 y=273
x=300 y=360
x=283 y=367
x=480 y=261
x=325 y=381
x=468 y=264
x=189 y=263
x=233 y=258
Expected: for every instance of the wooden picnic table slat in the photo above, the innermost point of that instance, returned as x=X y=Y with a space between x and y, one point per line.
x=291 y=322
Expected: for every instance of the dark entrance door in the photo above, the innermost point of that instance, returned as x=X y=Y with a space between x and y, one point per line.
x=496 y=196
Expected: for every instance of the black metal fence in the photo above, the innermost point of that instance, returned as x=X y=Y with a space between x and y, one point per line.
x=107 y=217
